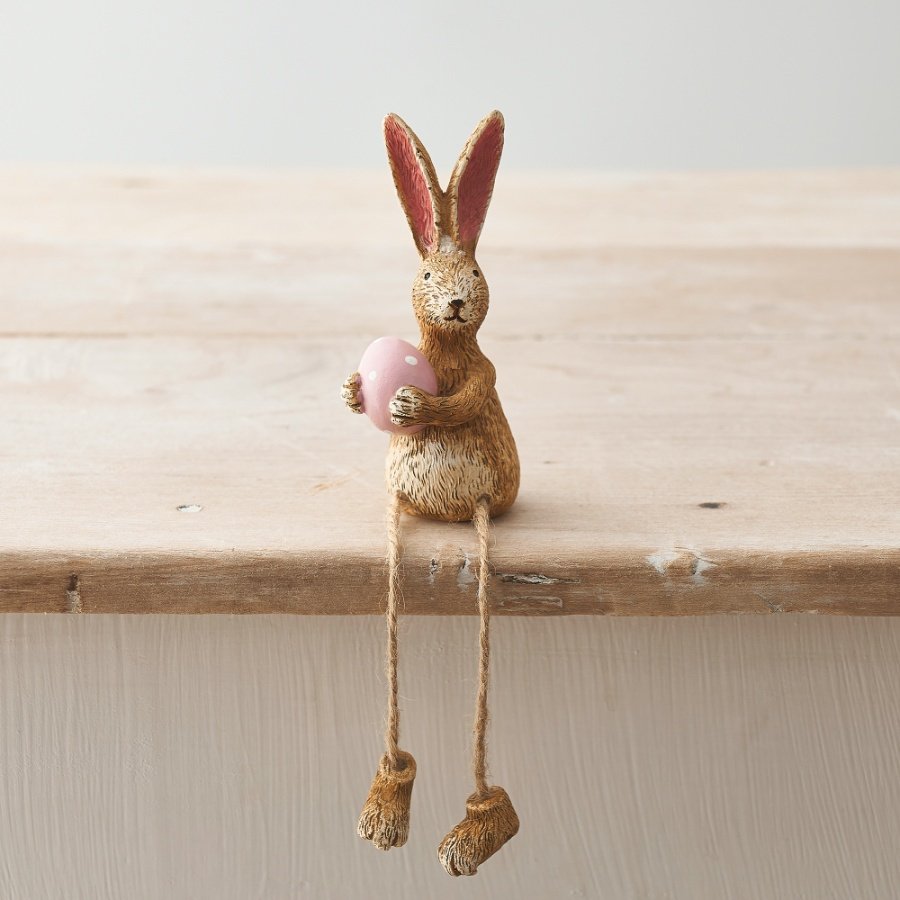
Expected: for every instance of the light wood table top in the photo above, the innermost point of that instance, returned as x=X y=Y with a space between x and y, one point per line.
x=702 y=372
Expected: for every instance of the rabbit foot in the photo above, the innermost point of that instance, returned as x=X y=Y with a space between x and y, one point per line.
x=385 y=817
x=489 y=823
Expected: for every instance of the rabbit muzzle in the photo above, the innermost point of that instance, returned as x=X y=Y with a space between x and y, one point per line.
x=454 y=312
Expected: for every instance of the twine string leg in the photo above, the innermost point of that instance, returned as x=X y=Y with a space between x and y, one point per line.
x=479 y=757
x=490 y=818
x=392 y=734
x=385 y=816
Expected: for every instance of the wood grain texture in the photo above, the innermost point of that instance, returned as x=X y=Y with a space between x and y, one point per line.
x=220 y=758
x=702 y=372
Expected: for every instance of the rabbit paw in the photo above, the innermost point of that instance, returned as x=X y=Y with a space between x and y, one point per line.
x=409 y=406
x=350 y=393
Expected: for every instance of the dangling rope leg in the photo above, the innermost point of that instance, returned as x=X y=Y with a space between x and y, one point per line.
x=479 y=761
x=392 y=734
x=385 y=817
x=490 y=818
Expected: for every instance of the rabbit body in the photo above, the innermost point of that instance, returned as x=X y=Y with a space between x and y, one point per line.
x=442 y=471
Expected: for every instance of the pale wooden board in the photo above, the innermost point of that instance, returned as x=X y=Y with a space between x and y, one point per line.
x=661 y=342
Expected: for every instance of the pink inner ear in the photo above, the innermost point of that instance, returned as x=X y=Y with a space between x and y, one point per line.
x=477 y=182
x=411 y=182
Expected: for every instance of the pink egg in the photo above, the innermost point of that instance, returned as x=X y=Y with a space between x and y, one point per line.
x=387 y=365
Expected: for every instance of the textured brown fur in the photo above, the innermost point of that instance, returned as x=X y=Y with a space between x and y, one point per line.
x=467 y=450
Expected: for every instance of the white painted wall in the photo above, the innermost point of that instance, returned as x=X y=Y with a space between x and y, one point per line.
x=226 y=758
x=625 y=85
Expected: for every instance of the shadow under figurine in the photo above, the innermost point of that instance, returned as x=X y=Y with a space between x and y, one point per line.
x=452 y=455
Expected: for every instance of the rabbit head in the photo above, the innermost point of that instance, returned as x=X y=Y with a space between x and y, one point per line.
x=450 y=294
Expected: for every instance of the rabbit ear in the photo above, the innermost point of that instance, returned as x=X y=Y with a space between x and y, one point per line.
x=472 y=181
x=416 y=182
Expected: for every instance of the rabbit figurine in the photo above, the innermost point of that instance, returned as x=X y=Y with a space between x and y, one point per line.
x=461 y=466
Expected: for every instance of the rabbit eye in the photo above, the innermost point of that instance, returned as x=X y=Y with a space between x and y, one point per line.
x=475 y=273
x=427 y=275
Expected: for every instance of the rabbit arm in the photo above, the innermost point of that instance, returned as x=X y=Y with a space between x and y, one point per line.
x=465 y=404
x=412 y=406
x=350 y=393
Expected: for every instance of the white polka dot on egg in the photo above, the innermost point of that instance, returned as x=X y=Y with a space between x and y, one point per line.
x=373 y=375
x=412 y=360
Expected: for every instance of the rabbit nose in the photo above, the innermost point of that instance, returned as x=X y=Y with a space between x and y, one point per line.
x=456 y=302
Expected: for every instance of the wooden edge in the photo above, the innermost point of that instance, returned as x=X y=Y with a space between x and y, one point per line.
x=863 y=582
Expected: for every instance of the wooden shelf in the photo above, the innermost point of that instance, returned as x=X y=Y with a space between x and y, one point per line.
x=702 y=373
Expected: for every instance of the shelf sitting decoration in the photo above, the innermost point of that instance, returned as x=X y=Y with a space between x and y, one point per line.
x=452 y=456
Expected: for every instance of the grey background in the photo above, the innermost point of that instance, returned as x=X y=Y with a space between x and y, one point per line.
x=650 y=84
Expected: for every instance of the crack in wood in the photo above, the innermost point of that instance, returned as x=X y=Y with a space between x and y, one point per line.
x=73 y=596
x=531 y=604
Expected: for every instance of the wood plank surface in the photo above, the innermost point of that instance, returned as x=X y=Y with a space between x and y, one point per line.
x=702 y=373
